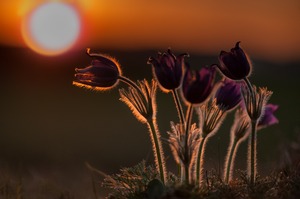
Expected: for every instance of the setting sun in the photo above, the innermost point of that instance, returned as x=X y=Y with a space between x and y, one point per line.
x=51 y=28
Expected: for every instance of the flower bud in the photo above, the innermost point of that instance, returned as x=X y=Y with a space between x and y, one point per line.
x=102 y=74
x=167 y=69
x=197 y=85
x=268 y=117
x=228 y=94
x=234 y=64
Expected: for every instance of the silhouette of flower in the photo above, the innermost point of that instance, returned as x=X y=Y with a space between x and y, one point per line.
x=102 y=74
x=167 y=69
x=234 y=64
x=197 y=85
x=142 y=101
x=268 y=117
x=228 y=94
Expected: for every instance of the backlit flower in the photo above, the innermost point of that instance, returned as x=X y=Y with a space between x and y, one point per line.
x=142 y=101
x=102 y=74
x=198 y=84
x=268 y=117
x=177 y=143
x=167 y=69
x=234 y=64
x=255 y=102
x=228 y=94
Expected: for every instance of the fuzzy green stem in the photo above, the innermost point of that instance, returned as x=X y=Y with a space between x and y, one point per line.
x=178 y=106
x=253 y=152
x=199 y=162
x=158 y=150
x=230 y=160
x=187 y=130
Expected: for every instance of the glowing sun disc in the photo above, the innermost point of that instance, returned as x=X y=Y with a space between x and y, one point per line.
x=51 y=28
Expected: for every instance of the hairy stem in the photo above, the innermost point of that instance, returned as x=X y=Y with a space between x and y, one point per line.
x=252 y=151
x=158 y=153
x=187 y=130
x=129 y=82
x=178 y=106
x=230 y=160
x=249 y=85
x=182 y=122
x=199 y=162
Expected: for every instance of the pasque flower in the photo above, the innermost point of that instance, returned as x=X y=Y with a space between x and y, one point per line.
x=142 y=101
x=268 y=117
x=168 y=69
x=198 y=84
x=256 y=101
x=235 y=64
x=228 y=94
x=102 y=74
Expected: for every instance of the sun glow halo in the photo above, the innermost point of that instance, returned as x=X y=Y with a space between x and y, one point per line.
x=52 y=28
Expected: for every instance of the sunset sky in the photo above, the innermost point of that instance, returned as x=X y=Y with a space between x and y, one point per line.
x=268 y=29
x=45 y=120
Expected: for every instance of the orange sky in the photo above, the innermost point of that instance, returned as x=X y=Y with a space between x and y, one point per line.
x=268 y=29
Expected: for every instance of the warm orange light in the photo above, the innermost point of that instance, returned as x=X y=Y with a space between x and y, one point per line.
x=51 y=28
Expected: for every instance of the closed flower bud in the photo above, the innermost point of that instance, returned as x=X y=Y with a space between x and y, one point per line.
x=268 y=117
x=197 y=85
x=235 y=64
x=228 y=94
x=102 y=74
x=167 y=69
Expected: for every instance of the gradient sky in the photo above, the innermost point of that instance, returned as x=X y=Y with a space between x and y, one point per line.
x=268 y=29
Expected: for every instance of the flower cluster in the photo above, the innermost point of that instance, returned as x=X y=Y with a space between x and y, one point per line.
x=200 y=92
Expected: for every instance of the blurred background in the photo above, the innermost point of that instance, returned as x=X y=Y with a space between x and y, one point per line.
x=49 y=128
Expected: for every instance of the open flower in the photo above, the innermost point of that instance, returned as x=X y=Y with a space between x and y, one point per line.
x=167 y=69
x=234 y=64
x=102 y=74
x=268 y=117
x=197 y=85
x=228 y=94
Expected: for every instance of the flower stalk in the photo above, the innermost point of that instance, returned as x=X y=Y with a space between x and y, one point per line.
x=252 y=149
x=141 y=100
x=187 y=130
x=157 y=148
x=199 y=163
x=182 y=122
x=229 y=163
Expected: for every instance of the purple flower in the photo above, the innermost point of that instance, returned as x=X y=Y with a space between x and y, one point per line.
x=268 y=117
x=234 y=64
x=228 y=94
x=102 y=74
x=197 y=85
x=167 y=69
